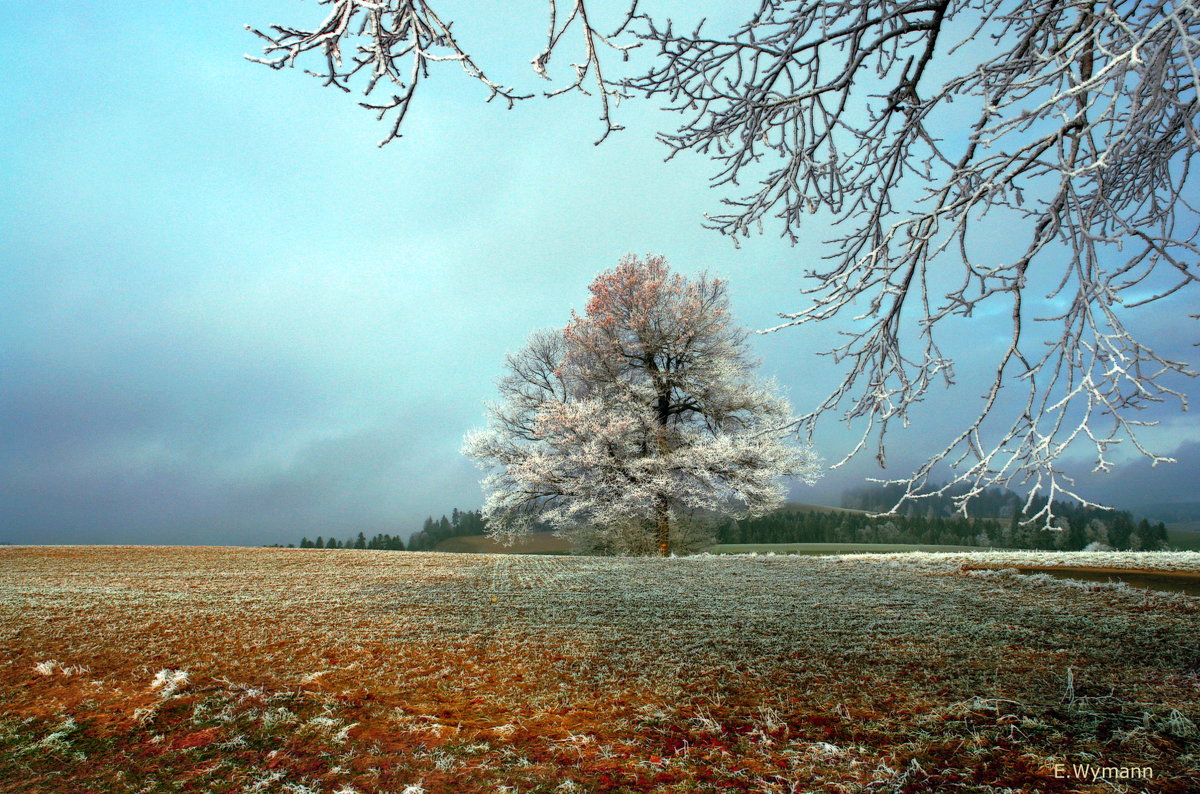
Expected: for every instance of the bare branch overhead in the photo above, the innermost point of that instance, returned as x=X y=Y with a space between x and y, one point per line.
x=914 y=129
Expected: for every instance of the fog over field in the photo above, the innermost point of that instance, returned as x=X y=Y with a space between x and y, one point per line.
x=227 y=317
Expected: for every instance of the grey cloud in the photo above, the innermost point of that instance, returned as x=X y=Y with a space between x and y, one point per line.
x=1137 y=482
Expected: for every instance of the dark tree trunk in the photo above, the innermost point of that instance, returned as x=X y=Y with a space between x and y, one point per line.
x=662 y=522
x=662 y=518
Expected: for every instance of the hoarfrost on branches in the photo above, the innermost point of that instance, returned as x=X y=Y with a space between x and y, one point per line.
x=909 y=127
x=638 y=420
x=396 y=41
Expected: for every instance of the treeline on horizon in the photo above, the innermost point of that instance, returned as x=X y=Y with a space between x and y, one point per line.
x=999 y=522
x=380 y=541
x=433 y=532
x=460 y=523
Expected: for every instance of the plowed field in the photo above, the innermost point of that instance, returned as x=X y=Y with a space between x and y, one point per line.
x=222 y=669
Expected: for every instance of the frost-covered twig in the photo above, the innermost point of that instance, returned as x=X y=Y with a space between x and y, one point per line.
x=916 y=129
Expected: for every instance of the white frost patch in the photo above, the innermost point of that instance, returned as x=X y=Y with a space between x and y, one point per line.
x=825 y=749
x=1174 y=723
x=1013 y=576
x=169 y=681
x=65 y=729
x=300 y=788
x=57 y=740
x=266 y=782
x=278 y=716
x=336 y=729
x=50 y=666
x=504 y=731
x=1187 y=561
x=704 y=723
x=344 y=734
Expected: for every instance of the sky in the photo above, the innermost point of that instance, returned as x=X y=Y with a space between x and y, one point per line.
x=228 y=317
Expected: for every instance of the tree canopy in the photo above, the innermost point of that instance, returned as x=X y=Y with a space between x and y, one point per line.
x=639 y=419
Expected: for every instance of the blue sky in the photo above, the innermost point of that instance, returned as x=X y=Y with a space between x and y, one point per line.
x=228 y=317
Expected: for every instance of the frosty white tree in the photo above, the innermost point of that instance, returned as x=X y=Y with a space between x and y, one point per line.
x=1073 y=127
x=640 y=413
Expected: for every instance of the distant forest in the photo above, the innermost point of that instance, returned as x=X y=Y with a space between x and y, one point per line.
x=998 y=523
x=1083 y=529
x=458 y=524
x=433 y=532
x=381 y=541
